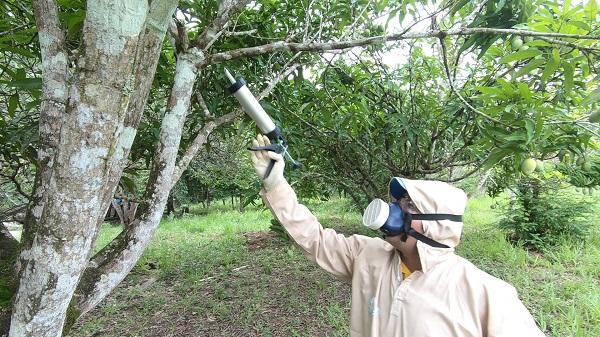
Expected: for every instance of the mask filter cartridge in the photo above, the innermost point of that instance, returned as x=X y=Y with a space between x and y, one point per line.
x=386 y=217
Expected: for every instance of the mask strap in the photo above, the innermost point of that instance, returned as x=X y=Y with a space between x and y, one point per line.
x=408 y=230
x=425 y=239
x=438 y=216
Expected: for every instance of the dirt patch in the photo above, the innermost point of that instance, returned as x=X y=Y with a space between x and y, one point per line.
x=260 y=240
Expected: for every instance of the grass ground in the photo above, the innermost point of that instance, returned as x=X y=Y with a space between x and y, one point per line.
x=224 y=274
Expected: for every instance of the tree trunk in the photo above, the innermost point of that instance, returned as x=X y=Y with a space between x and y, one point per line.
x=85 y=144
x=108 y=268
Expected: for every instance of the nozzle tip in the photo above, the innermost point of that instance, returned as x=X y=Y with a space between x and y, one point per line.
x=228 y=74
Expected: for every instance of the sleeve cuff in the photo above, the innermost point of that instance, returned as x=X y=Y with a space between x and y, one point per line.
x=281 y=190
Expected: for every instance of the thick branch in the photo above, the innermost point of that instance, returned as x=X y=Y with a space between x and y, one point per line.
x=203 y=105
x=90 y=129
x=241 y=33
x=52 y=42
x=13 y=214
x=337 y=45
x=54 y=84
x=212 y=32
x=146 y=59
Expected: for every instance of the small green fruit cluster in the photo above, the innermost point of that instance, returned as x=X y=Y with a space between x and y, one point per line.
x=528 y=166
x=517 y=43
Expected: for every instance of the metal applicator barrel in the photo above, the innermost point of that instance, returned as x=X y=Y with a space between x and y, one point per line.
x=249 y=103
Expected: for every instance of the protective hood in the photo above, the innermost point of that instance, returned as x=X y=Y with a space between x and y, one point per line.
x=432 y=197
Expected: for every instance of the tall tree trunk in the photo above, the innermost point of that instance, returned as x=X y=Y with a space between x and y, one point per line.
x=108 y=268
x=86 y=139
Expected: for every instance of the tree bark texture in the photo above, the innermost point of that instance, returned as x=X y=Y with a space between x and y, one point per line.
x=108 y=268
x=86 y=140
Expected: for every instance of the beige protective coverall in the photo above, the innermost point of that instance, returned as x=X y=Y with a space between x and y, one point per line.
x=449 y=297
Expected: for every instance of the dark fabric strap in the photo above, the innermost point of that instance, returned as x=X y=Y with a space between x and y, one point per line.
x=438 y=216
x=425 y=239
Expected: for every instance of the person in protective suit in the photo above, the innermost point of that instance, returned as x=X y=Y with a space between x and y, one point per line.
x=411 y=283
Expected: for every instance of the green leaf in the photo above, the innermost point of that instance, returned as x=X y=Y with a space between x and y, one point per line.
x=593 y=97
x=580 y=24
x=20 y=51
x=457 y=6
x=494 y=157
x=491 y=91
x=533 y=64
x=555 y=55
x=525 y=92
x=530 y=127
x=591 y=10
x=517 y=136
x=20 y=74
x=551 y=66
x=569 y=70
x=13 y=102
x=520 y=55
x=27 y=84
x=128 y=184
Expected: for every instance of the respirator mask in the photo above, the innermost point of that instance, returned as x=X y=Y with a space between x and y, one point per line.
x=391 y=220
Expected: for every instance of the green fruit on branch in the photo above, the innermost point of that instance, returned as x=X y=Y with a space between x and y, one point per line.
x=595 y=117
x=528 y=165
x=516 y=43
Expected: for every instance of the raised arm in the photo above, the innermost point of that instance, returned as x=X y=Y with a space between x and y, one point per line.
x=331 y=251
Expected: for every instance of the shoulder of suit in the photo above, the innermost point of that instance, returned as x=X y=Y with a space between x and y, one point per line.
x=476 y=275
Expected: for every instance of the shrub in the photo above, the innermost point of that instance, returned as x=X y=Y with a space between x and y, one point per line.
x=541 y=214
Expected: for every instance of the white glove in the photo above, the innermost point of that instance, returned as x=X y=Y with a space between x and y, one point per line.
x=261 y=160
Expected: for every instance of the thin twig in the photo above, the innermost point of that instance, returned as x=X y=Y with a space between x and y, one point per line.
x=212 y=277
x=240 y=33
x=13 y=29
x=447 y=70
x=582 y=125
x=203 y=105
x=569 y=44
